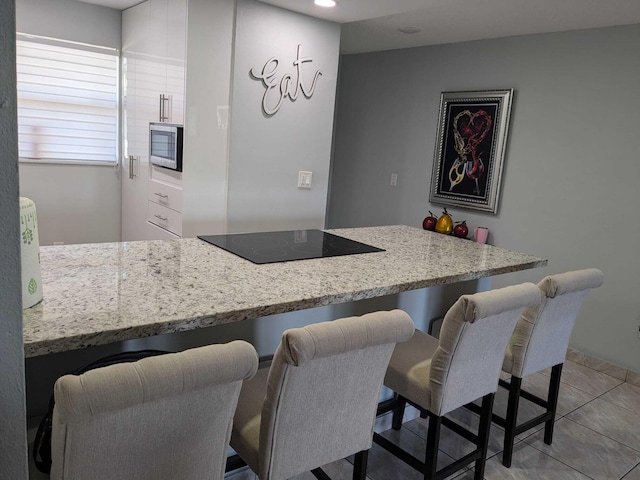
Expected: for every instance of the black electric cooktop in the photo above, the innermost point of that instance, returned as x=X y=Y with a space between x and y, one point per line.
x=272 y=247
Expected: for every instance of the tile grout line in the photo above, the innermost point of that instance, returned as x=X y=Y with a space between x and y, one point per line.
x=584 y=426
x=631 y=470
x=560 y=461
x=601 y=433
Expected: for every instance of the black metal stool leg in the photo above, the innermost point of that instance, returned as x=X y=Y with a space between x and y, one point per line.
x=398 y=413
x=319 y=474
x=483 y=434
x=360 y=465
x=552 y=402
x=511 y=420
x=433 y=439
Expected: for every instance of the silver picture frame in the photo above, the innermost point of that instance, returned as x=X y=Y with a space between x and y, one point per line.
x=469 y=156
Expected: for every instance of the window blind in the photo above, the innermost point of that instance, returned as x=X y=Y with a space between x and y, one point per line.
x=67 y=101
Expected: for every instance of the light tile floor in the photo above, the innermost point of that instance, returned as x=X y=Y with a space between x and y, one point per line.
x=597 y=437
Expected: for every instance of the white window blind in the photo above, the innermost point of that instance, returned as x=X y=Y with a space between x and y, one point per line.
x=67 y=101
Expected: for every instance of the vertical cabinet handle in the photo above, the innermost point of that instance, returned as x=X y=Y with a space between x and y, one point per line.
x=164 y=113
x=131 y=174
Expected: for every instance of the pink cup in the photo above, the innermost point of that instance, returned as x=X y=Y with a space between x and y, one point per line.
x=481 y=234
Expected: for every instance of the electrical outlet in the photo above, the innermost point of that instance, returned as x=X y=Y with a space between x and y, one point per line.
x=304 y=179
x=394 y=179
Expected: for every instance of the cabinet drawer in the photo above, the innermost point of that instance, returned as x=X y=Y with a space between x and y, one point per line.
x=155 y=232
x=165 y=195
x=166 y=218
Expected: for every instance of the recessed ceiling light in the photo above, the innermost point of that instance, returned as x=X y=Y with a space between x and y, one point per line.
x=409 y=30
x=325 y=3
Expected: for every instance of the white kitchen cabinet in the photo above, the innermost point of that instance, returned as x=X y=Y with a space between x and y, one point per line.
x=165 y=204
x=153 y=65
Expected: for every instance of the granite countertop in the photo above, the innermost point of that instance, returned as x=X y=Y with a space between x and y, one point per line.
x=102 y=293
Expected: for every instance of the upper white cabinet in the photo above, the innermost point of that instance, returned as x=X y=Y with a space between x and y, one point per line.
x=153 y=90
x=154 y=52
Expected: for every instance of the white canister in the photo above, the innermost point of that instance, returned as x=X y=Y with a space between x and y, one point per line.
x=30 y=253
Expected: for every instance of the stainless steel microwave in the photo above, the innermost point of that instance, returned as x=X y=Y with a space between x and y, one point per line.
x=165 y=145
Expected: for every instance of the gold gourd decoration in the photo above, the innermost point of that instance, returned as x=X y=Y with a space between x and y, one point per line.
x=444 y=224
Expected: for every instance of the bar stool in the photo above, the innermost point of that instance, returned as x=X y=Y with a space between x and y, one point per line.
x=317 y=401
x=439 y=375
x=160 y=418
x=540 y=340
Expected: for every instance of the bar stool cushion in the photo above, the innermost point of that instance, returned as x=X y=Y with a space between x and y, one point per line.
x=247 y=419
x=410 y=370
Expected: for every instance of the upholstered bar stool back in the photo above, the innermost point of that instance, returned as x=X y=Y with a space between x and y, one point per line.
x=163 y=417
x=539 y=341
x=440 y=375
x=320 y=395
x=542 y=335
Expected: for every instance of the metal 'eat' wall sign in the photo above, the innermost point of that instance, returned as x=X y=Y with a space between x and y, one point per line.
x=276 y=88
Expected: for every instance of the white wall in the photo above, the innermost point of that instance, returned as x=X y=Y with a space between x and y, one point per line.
x=266 y=153
x=13 y=439
x=570 y=183
x=75 y=203
x=78 y=203
x=70 y=20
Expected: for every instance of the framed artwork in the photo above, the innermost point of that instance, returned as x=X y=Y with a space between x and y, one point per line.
x=470 y=148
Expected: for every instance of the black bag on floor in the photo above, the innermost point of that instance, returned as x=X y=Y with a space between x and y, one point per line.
x=42 y=443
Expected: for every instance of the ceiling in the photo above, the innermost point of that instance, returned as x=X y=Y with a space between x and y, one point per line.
x=372 y=25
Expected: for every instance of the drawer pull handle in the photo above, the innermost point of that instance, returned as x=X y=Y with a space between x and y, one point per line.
x=160 y=217
x=161 y=195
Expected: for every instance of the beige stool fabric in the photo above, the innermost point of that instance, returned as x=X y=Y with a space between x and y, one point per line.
x=317 y=402
x=542 y=335
x=464 y=364
x=440 y=375
x=539 y=341
x=164 y=417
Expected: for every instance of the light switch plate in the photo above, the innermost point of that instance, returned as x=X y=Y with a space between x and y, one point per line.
x=304 y=179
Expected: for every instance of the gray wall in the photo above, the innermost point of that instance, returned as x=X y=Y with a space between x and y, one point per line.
x=570 y=184
x=267 y=153
x=13 y=439
x=77 y=203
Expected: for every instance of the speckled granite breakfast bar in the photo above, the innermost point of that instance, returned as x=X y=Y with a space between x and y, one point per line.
x=102 y=293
